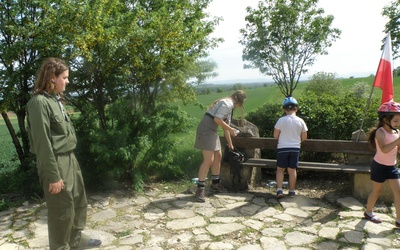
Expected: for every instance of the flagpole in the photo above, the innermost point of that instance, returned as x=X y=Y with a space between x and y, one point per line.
x=365 y=112
x=383 y=77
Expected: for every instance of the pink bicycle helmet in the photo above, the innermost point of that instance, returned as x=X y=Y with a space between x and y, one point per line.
x=389 y=108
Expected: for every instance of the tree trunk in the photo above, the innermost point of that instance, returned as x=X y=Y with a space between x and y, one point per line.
x=14 y=137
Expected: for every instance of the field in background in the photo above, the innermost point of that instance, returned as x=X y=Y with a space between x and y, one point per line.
x=7 y=149
x=258 y=96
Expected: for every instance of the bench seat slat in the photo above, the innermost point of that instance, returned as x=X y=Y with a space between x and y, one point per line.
x=271 y=163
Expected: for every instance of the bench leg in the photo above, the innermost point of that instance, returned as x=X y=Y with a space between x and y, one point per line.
x=227 y=176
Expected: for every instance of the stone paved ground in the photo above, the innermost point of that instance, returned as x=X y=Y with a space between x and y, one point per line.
x=158 y=219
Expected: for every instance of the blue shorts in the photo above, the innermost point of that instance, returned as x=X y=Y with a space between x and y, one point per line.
x=287 y=157
x=380 y=173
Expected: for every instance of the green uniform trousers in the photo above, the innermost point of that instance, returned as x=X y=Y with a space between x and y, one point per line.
x=67 y=210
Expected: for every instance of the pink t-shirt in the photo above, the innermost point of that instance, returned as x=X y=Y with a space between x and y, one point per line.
x=390 y=158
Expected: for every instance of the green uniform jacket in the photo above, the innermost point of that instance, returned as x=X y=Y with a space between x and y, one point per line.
x=50 y=133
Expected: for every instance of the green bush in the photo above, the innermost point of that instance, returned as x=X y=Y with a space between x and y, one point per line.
x=135 y=147
x=336 y=117
x=19 y=184
x=324 y=82
x=330 y=117
x=265 y=118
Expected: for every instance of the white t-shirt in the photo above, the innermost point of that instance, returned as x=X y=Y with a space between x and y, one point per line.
x=291 y=127
x=223 y=110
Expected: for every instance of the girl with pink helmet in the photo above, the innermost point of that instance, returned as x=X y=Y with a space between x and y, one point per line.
x=385 y=139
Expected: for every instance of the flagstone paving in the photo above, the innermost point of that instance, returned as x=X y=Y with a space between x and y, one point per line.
x=244 y=221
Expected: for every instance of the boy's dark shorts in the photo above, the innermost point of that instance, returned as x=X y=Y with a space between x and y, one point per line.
x=287 y=157
x=380 y=173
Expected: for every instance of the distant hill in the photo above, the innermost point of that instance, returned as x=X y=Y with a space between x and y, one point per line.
x=269 y=80
x=244 y=81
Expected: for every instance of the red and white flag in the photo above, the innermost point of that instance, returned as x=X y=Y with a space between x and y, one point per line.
x=384 y=74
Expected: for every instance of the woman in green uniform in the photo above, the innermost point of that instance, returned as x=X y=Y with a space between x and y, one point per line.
x=52 y=139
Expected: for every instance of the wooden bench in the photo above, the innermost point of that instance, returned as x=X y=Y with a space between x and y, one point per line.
x=332 y=167
x=357 y=153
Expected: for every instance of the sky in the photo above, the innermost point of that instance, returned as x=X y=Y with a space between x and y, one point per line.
x=356 y=53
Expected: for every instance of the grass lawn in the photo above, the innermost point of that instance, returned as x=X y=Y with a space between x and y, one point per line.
x=7 y=149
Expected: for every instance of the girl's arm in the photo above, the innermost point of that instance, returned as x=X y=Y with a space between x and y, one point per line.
x=380 y=139
x=225 y=126
x=228 y=131
x=228 y=139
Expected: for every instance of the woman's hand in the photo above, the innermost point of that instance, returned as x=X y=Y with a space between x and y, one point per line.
x=56 y=187
x=233 y=132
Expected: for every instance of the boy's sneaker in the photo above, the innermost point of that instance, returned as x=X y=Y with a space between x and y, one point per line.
x=397 y=224
x=292 y=193
x=218 y=187
x=200 y=194
x=279 y=194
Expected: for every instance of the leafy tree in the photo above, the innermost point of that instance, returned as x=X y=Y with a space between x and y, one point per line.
x=23 y=41
x=324 y=83
x=282 y=38
x=361 y=89
x=396 y=71
x=167 y=41
x=238 y=86
x=159 y=46
x=29 y=32
x=143 y=53
x=392 y=12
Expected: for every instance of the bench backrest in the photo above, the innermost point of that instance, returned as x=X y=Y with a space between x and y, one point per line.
x=314 y=145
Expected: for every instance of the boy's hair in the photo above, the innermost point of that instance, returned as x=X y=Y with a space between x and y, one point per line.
x=290 y=107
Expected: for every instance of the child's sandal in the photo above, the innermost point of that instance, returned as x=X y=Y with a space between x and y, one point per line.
x=373 y=218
